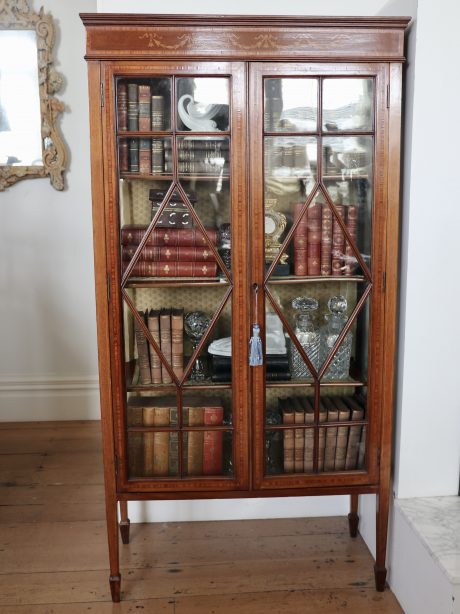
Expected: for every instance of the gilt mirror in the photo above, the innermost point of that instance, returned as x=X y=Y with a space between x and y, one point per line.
x=30 y=143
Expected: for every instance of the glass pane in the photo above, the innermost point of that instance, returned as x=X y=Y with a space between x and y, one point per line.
x=203 y=104
x=153 y=452
x=144 y=156
x=348 y=104
x=288 y=161
x=342 y=448
x=206 y=452
x=202 y=157
x=144 y=105
x=348 y=176
x=291 y=105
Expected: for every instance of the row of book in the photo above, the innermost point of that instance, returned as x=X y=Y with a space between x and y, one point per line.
x=139 y=108
x=170 y=252
x=340 y=448
x=154 y=156
x=320 y=245
x=202 y=450
x=167 y=329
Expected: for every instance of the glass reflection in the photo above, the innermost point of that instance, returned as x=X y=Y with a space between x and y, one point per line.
x=20 y=121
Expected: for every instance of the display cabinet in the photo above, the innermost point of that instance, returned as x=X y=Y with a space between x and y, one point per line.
x=245 y=180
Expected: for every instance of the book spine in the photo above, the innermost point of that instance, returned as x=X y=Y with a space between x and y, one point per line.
x=158 y=159
x=195 y=442
x=173 y=468
x=158 y=112
x=342 y=435
x=144 y=107
x=173 y=269
x=326 y=240
x=331 y=438
x=161 y=442
x=309 y=440
x=197 y=167
x=300 y=242
x=142 y=353
x=155 y=362
x=213 y=441
x=352 y=227
x=167 y=254
x=338 y=243
x=314 y=239
x=362 y=449
x=212 y=145
x=322 y=436
x=357 y=413
x=170 y=237
x=145 y=158
x=177 y=342
x=122 y=106
x=299 y=440
x=165 y=342
x=195 y=155
x=148 y=441
x=123 y=155
x=288 y=440
x=133 y=106
x=133 y=155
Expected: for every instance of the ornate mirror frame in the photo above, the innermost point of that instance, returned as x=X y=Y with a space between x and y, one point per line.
x=16 y=15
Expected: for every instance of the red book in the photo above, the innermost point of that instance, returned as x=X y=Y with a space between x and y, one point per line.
x=165 y=254
x=338 y=243
x=122 y=106
x=123 y=155
x=352 y=227
x=212 y=441
x=326 y=240
x=300 y=241
x=314 y=239
x=133 y=234
x=173 y=269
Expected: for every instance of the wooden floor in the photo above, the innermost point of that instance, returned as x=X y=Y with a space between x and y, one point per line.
x=53 y=552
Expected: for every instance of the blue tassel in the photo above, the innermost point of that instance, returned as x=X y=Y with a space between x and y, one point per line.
x=255 y=347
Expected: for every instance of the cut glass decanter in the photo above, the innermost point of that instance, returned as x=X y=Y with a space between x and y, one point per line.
x=307 y=335
x=339 y=368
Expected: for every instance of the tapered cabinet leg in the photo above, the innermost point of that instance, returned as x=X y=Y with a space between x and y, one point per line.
x=380 y=571
x=112 y=534
x=124 y=522
x=353 y=518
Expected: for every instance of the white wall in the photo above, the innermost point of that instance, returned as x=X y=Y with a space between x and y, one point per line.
x=48 y=352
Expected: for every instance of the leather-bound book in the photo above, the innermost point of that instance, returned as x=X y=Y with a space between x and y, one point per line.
x=169 y=254
x=299 y=435
x=213 y=440
x=123 y=155
x=326 y=240
x=331 y=434
x=362 y=449
x=158 y=112
x=133 y=234
x=314 y=239
x=352 y=227
x=161 y=417
x=145 y=156
x=144 y=107
x=193 y=441
x=338 y=243
x=122 y=106
x=155 y=362
x=133 y=147
x=133 y=106
x=177 y=341
x=158 y=157
x=309 y=436
x=357 y=413
x=287 y=412
x=147 y=268
x=148 y=437
x=300 y=242
x=165 y=342
x=322 y=435
x=142 y=352
x=342 y=434
x=173 y=468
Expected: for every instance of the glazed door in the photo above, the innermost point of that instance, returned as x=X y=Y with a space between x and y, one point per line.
x=318 y=206
x=175 y=176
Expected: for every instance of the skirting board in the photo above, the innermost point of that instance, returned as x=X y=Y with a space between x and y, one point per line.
x=39 y=398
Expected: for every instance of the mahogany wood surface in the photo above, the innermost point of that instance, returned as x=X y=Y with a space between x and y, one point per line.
x=246 y=49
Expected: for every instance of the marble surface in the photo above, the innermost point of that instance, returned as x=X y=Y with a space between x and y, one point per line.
x=437 y=521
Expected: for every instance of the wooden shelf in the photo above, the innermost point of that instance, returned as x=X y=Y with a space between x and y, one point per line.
x=181 y=177
x=176 y=282
x=298 y=279
x=309 y=383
